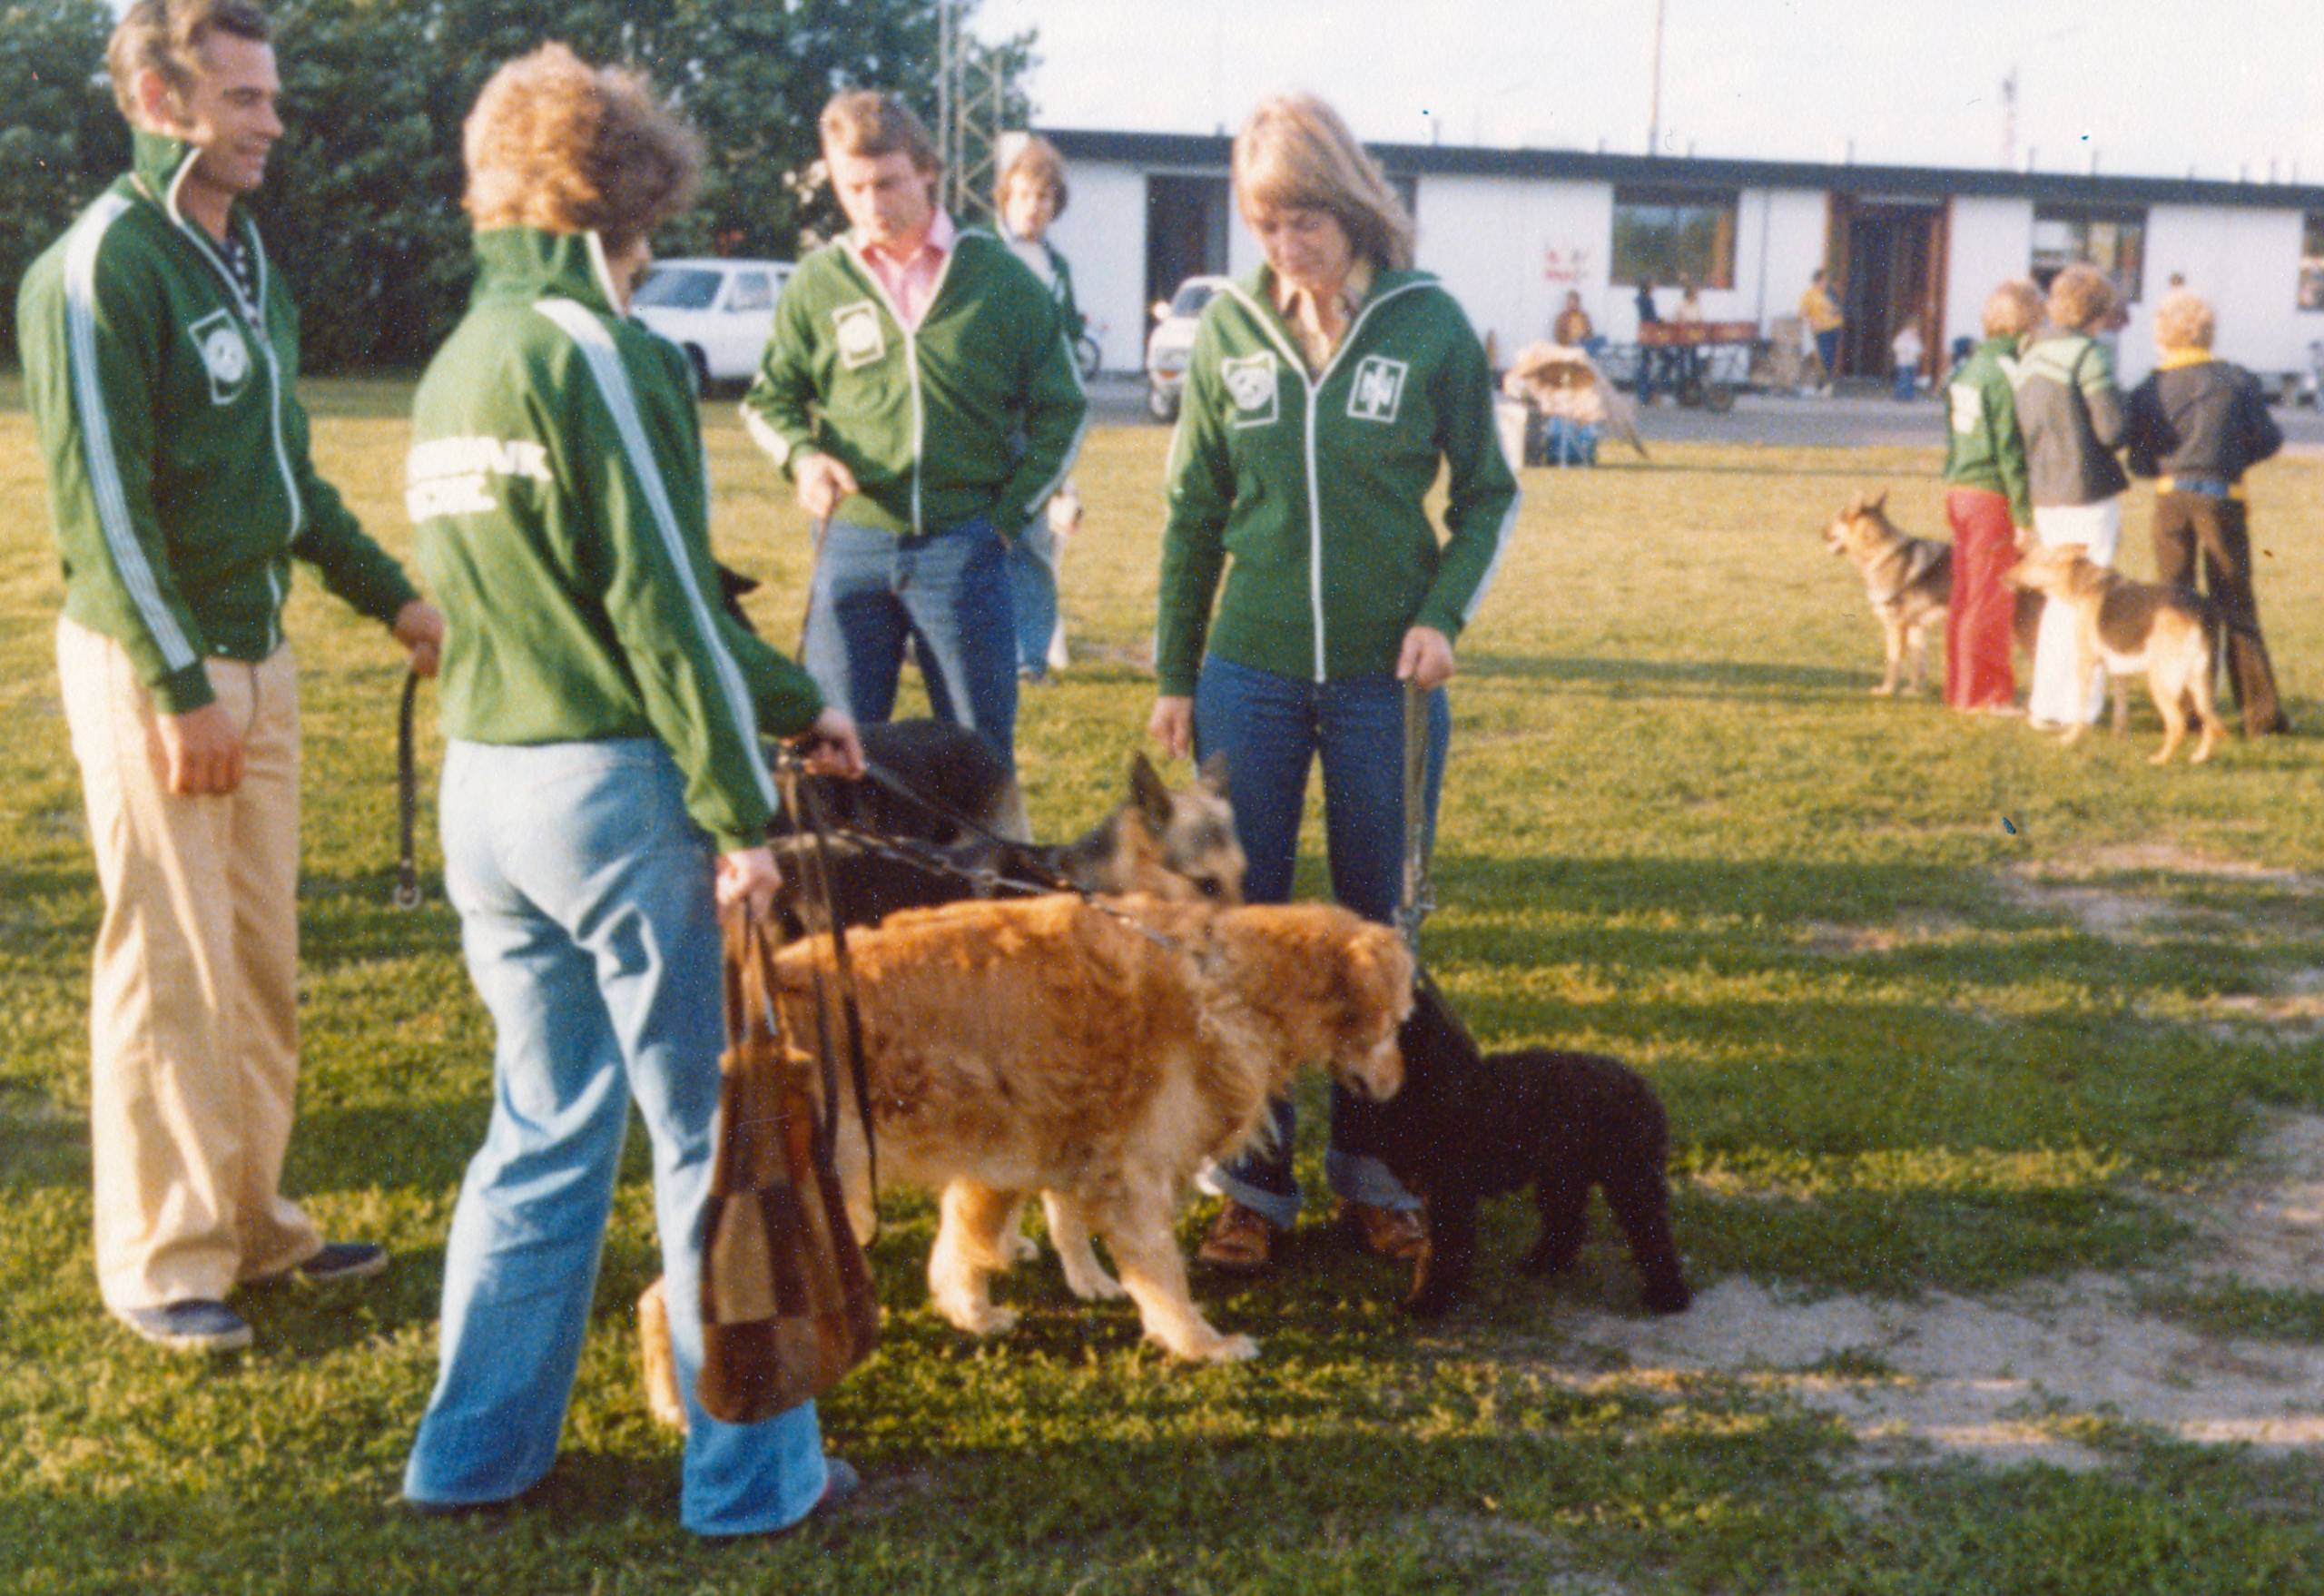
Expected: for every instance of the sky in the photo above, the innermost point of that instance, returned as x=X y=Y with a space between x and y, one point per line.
x=2153 y=87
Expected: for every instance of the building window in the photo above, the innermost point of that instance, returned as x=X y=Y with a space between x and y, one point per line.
x=1661 y=235
x=2111 y=238
x=2311 y=262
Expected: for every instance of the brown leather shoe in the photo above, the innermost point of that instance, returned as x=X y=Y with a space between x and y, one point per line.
x=1239 y=1241
x=1385 y=1233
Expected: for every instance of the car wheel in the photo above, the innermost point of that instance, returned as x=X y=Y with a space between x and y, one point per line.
x=701 y=364
x=1161 y=403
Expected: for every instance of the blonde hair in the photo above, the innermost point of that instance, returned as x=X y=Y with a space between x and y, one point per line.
x=166 y=37
x=1295 y=152
x=555 y=143
x=869 y=121
x=1036 y=161
x=2184 y=320
x=2012 y=309
x=2080 y=298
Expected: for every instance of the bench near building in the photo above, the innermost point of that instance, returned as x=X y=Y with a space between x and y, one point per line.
x=1510 y=231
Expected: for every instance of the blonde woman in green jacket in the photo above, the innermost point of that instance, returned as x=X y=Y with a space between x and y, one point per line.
x=603 y=781
x=1303 y=585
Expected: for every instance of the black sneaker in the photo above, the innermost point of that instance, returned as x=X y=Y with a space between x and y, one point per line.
x=194 y=1324
x=343 y=1260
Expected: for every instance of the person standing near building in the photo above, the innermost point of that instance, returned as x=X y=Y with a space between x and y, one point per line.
x=1572 y=327
x=1905 y=354
x=1986 y=500
x=605 y=790
x=1650 y=355
x=920 y=391
x=2199 y=423
x=1820 y=309
x=1028 y=197
x=159 y=352
x=2071 y=414
x=1324 y=395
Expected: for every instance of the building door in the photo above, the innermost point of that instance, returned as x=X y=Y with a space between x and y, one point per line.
x=1186 y=232
x=1890 y=257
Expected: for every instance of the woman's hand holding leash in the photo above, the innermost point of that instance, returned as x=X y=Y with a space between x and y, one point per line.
x=1172 y=724
x=1426 y=658
x=831 y=747
x=748 y=876
x=419 y=627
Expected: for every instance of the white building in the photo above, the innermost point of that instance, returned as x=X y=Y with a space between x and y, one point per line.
x=1510 y=231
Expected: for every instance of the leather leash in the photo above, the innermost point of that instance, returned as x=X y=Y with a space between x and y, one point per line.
x=807 y=809
x=407 y=894
x=1418 y=897
x=814 y=564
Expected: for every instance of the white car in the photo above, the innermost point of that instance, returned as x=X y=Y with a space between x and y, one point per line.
x=719 y=311
x=1172 y=339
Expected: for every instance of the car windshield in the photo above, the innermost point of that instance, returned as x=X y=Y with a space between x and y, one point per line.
x=1192 y=298
x=678 y=288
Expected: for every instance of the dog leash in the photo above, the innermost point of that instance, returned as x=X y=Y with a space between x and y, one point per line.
x=814 y=564
x=807 y=809
x=407 y=894
x=1418 y=897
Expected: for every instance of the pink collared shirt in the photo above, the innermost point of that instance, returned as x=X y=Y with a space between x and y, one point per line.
x=911 y=279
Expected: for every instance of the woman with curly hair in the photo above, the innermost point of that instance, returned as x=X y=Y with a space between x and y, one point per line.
x=1324 y=395
x=2071 y=414
x=603 y=790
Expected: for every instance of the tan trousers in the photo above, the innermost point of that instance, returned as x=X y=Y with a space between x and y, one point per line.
x=192 y=1012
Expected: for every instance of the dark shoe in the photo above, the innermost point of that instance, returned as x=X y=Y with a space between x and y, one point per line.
x=1396 y=1234
x=195 y=1325
x=343 y=1260
x=1239 y=1241
x=449 y=1512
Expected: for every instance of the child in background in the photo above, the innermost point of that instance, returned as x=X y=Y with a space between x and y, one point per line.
x=1905 y=351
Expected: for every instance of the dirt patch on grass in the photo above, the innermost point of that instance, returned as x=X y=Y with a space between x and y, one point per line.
x=2033 y=1377
x=2072 y=883
x=1912 y=931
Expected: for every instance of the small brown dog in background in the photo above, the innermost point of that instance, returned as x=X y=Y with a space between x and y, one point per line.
x=2132 y=627
x=1908 y=582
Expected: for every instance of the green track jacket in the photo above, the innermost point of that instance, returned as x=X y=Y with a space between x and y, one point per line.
x=1072 y=322
x=978 y=412
x=179 y=480
x=557 y=481
x=1315 y=486
x=1983 y=447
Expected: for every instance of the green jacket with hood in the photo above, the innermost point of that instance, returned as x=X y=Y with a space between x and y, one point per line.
x=1307 y=491
x=977 y=411
x=1982 y=446
x=558 y=482
x=179 y=477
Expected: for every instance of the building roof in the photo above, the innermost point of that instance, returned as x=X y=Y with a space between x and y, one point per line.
x=1205 y=151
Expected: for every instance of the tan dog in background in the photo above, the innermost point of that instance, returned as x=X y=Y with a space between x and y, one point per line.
x=2132 y=628
x=1908 y=581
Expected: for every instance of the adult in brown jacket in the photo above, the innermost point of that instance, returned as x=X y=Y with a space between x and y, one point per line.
x=2197 y=423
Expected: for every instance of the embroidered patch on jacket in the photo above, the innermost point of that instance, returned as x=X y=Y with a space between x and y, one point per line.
x=862 y=339
x=225 y=355
x=1378 y=388
x=1968 y=409
x=1251 y=384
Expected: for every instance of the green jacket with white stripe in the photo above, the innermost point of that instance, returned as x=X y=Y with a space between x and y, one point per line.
x=558 y=482
x=178 y=478
x=978 y=412
x=1314 y=487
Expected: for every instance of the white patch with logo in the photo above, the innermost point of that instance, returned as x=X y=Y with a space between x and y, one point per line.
x=225 y=355
x=1378 y=388
x=1252 y=383
x=862 y=339
x=1968 y=411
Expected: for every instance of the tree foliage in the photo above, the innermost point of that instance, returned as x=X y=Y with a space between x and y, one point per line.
x=362 y=206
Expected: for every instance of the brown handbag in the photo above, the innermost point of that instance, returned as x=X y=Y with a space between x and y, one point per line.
x=787 y=1303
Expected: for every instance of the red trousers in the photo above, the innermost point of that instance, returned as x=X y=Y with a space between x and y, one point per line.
x=1977 y=628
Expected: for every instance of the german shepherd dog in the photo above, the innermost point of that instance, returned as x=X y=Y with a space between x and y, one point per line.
x=2130 y=628
x=1470 y=1125
x=1908 y=582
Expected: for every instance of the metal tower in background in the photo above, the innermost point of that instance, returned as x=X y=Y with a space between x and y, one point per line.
x=971 y=96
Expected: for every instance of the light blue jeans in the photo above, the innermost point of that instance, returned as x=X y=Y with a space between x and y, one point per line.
x=1032 y=595
x=1272 y=729
x=583 y=892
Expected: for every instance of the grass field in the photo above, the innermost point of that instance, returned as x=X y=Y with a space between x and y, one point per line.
x=1849 y=940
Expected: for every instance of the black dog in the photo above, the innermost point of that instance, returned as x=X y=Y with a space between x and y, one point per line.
x=1467 y=1127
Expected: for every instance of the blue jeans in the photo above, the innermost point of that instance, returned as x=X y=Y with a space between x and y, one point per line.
x=1271 y=729
x=1032 y=592
x=583 y=892
x=946 y=596
x=1827 y=350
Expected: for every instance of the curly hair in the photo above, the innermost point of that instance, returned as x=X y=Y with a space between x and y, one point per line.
x=555 y=143
x=2012 y=309
x=1038 y=162
x=2080 y=298
x=1294 y=150
x=166 y=37
x=2184 y=320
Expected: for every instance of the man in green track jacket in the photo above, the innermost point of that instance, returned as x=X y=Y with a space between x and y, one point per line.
x=159 y=352
x=919 y=392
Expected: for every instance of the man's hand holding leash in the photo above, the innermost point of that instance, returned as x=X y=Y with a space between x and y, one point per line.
x=821 y=482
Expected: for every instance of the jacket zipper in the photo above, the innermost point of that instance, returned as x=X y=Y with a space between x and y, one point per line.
x=911 y=358
x=1314 y=386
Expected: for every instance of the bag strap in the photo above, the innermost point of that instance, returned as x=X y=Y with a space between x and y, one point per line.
x=806 y=807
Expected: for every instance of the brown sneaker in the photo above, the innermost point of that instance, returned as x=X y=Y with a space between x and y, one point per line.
x=1239 y=1241
x=1385 y=1233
